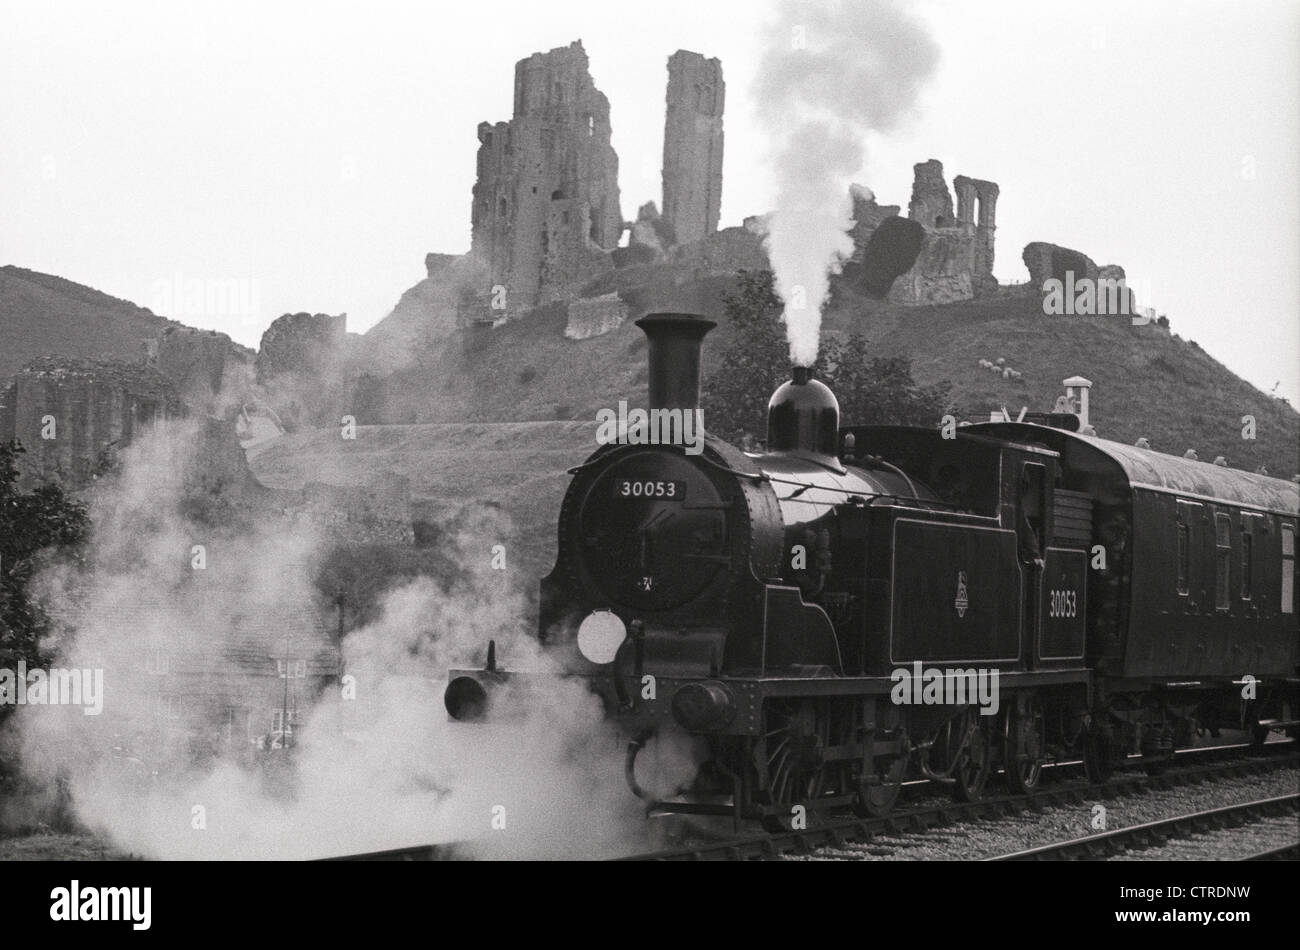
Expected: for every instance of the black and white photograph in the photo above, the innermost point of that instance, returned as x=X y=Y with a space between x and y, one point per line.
x=793 y=431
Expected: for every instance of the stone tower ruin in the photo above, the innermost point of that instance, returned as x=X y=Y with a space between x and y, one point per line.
x=956 y=257
x=546 y=200
x=692 y=171
x=977 y=204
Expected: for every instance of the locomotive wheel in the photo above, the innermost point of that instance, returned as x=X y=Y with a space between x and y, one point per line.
x=878 y=799
x=1023 y=738
x=965 y=751
x=790 y=757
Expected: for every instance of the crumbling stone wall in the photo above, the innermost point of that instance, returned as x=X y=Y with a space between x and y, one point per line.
x=931 y=202
x=595 y=316
x=570 y=258
x=556 y=148
x=1046 y=261
x=91 y=408
x=956 y=259
x=437 y=265
x=650 y=231
x=300 y=342
x=199 y=363
x=693 y=140
x=723 y=253
x=867 y=216
x=942 y=272
x=301 y=368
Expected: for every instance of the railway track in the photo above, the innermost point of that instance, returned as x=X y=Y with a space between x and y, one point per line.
x=1155 y=833
x=1190 y=770
x=1245 y=761
x=449 y=851
x=1289 y=852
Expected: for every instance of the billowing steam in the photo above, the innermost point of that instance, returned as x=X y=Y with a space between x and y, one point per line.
x=831 y=72
x=164 y=773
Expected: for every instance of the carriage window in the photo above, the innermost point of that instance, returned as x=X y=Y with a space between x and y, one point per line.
x=1222 y=554
x=1184 y=548
x=1247 y=544
x=1187 y=513
x=1250 y=526
x=1288 y=568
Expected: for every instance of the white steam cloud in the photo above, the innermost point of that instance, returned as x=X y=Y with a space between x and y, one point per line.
x=831 y=72
x=383 y=768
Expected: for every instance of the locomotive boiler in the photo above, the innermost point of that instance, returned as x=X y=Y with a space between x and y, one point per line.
x=855 y=605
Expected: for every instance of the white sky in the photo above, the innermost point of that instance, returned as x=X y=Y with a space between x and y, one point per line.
x=317 y=150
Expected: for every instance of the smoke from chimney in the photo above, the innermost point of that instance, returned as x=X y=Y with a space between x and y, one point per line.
x=831 y=72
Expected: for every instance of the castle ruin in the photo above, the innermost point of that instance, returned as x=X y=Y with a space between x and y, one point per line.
x=977 y=205
x=692 y=170
x=547 y=223
x=546 y=203
x=72 y=415
x=955 y=257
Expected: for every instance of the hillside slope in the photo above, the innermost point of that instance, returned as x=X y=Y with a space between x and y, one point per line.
x=1147 y=382
x=41 y=315
x=518 y=468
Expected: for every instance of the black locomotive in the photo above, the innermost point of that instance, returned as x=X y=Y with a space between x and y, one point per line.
x=859 y=605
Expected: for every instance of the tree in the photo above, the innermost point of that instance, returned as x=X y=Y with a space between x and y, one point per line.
x=875 y=390
x=872 y=390
x=34 y=525
x=734 y=397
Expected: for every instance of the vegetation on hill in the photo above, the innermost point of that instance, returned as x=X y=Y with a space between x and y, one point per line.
x=42 y=315
x=871 y=389
x=34 y=525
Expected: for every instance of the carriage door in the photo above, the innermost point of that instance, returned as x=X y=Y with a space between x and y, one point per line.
x=1031 y=535
x=1288 y=568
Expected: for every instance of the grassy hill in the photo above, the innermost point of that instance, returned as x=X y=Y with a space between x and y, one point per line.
x=1147 y=382
x=42 y=315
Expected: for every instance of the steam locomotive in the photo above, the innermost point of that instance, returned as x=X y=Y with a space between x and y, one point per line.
x=859 y=605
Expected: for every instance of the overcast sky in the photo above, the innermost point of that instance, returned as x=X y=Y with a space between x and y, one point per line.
x=316 y=151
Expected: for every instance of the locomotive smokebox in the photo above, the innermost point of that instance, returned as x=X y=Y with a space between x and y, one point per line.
x=803 y=418
x=675 y=340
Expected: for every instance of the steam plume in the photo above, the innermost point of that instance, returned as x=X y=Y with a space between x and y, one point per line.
x=381 y=770
x=831 y=72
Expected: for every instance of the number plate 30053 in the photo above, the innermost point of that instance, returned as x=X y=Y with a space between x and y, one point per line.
x=649 y=488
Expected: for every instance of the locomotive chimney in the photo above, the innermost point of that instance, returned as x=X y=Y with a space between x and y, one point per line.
x=803 y=418
x=675 y=343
